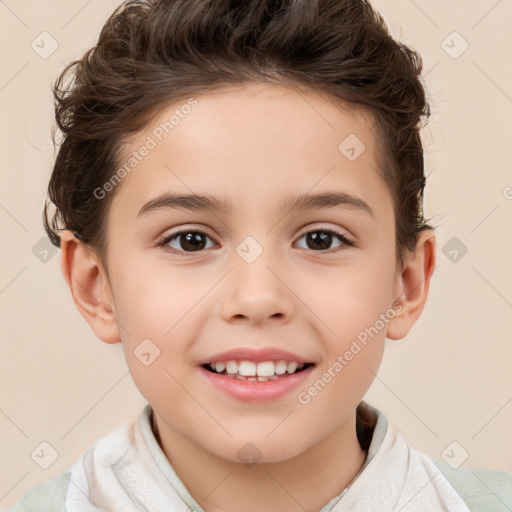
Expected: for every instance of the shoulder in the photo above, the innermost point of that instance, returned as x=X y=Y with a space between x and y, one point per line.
x=483 y=490
x=49 y=496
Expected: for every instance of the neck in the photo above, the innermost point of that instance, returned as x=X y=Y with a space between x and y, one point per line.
x=308 y=481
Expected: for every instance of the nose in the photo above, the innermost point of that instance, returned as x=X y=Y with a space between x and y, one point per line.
x=257 y=292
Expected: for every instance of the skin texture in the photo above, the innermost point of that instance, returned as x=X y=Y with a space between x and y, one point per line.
x=256 y=145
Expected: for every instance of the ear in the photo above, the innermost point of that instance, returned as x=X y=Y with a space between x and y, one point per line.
x=412 y=284
x=90 y=287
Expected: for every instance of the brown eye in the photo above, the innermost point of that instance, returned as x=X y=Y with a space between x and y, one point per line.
x=187 y=241
x=321 y=239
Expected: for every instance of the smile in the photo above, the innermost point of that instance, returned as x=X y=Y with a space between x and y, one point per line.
x=256 y=371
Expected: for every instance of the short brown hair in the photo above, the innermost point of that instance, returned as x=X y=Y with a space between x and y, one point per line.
x=151 y=53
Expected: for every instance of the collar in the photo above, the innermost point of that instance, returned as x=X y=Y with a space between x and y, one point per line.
x=128 y=468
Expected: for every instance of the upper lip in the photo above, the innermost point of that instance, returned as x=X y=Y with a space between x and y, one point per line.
x=257 y=355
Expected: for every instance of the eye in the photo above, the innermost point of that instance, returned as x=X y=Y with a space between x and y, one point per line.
x=188 y=240
x=320 y=239
x=193 y=240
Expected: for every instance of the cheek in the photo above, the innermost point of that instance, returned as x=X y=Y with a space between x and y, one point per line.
x=356 y=310
x=155 y=301
x=351 y=297
x=148 y=310
x=346 y=374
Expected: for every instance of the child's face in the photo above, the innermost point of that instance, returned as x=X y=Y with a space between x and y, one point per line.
x=256 y=147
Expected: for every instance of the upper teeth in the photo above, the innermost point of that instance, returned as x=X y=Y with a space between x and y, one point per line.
x=251 y=369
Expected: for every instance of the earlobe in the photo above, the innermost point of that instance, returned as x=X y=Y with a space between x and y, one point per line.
x=89 y=287
x=413 y=284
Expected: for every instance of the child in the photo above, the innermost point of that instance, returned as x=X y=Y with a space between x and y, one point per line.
x=285 y=136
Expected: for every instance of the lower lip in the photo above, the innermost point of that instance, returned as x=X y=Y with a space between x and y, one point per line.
x=256 y=391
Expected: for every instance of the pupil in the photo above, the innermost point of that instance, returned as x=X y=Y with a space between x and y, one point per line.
x=321 y=238
x=193 y=239
x=315 y=240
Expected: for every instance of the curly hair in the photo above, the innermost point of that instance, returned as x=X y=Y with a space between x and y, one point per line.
x=151 y=53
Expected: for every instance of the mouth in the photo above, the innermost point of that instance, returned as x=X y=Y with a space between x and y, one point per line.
x=261 y=371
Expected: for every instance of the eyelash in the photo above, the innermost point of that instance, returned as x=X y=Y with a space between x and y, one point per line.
x=165 y=240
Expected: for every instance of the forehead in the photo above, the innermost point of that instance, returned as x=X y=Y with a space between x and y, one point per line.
x=255 y=143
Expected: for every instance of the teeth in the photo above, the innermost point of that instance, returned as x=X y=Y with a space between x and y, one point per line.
x=231 y=367
x=265 y=369
x=281 y=367
x=249 y=370
x=291 y=367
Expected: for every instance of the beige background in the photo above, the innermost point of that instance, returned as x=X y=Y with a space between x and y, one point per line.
x=449 y=380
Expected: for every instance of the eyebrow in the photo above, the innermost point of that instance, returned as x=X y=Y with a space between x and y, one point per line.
x=203 y=202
